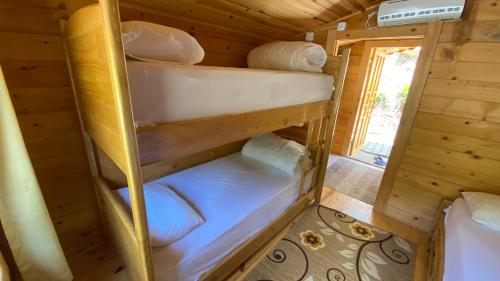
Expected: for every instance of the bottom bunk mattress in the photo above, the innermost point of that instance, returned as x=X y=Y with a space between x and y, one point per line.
x=238 y=197
x=472 y=251
x=167 y=92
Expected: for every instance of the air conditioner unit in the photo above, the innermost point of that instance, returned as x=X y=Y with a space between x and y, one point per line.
x=397 y=12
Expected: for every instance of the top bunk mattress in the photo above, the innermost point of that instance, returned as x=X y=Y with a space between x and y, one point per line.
x=472 y=251
x=167 y=92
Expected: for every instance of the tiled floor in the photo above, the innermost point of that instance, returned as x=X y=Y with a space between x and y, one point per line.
x=369 y=158
x=377 y=148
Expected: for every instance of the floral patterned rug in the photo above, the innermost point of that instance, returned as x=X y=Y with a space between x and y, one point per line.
x=326 y=244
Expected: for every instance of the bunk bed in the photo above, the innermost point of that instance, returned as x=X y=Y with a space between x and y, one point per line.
x=122 y=154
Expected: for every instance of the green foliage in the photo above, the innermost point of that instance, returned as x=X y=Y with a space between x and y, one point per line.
x=381 y=100
x=403 y=94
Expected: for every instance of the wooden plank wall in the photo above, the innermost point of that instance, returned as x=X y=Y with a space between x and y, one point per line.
x=350 y=98
x=222 y=47
x=32 y=57
x=455 y=141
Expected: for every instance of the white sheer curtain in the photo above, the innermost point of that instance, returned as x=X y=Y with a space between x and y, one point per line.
x=23 y=213
x=4 y=269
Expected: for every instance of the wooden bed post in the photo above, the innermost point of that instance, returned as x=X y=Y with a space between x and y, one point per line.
x=332 y=118
x=98 y=72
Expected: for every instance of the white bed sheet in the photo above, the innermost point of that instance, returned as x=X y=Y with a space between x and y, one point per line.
x=167 y=92
x=237 y=196
x=472 y=251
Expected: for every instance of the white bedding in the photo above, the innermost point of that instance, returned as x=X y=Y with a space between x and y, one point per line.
x=472 y=251
x=167 y=92
x=237 y=197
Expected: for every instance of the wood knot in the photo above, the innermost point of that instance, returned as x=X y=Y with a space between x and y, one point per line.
x=448 y=53
x=120 y=268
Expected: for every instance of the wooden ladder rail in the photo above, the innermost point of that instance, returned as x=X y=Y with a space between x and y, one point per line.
x=92 y=42
x=330 y=121
x=305 y=163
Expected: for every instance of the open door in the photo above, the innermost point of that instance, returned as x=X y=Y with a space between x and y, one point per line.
x=375 y=64
x=374 y=55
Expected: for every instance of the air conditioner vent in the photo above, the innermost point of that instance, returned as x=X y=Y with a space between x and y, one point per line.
x=399 y=12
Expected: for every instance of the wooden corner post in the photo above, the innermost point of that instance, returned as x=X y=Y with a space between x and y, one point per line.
x=96 y=59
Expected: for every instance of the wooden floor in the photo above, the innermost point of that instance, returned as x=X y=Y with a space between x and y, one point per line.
x=103 y=264
x=354 y=178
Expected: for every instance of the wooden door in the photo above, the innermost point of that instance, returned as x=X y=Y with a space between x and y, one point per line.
x=369 y=94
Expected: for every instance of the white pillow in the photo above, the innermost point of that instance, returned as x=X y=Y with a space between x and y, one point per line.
x=275 y=151
x=283 y=55
x=169 y=216
x=485 y=208
x=153 y=42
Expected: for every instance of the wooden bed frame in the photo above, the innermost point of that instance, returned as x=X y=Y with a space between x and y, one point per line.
x=435 y=268
x=119 y=154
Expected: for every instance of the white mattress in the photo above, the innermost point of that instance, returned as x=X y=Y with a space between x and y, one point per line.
x=166 y=92
x=237 y=196
x=472 y=251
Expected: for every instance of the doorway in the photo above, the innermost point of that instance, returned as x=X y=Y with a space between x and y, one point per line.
x=377 y=85
x=389 y=75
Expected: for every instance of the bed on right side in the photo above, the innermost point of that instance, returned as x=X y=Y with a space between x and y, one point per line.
x=465 y=246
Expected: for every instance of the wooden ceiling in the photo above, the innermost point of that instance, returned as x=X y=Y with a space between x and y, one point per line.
x=273 y=19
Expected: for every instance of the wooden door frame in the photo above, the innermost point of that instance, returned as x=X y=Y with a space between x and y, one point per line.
x=362 y=80
x=429 y=34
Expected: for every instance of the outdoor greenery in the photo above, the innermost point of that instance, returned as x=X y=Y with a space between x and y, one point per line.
x=402 y=95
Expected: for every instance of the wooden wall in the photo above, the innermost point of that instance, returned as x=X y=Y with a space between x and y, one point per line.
x=455 y=141
x=33 y=61
x=349 y=100
x=32 y=57
x=222 y=47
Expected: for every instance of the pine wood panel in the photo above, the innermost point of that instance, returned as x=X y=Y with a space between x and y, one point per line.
x=472 y=109
x=455 y=141
x=469 y=145
x=17 y=17
x=170 y=141
x=455 y=174
x=458 y=125
x=25 y=46
x=42 y=100
x=467 y=90
x=273 y=19
x=480 y=31
x=31 y=55
x=30 y=74
x=348 y=102
x=469 y=52
x=222 y=47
